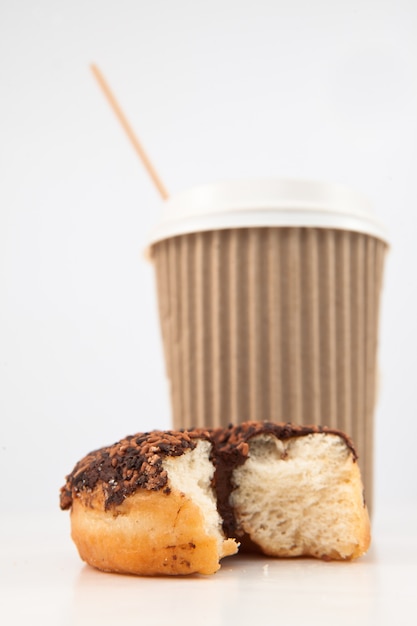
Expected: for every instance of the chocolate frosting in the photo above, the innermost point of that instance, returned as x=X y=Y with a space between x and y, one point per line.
x=136 y=462
x=133 y=463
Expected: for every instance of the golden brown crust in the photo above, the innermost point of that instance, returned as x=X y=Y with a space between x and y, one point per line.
x=150 y=533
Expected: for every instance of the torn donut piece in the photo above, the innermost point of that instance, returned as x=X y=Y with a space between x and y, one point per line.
x=294 y=491
x=146 y=506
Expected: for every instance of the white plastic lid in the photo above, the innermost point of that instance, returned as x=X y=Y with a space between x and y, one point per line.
x=263 y=203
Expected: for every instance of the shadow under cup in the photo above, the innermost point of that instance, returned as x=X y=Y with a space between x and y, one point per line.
x=273 y=323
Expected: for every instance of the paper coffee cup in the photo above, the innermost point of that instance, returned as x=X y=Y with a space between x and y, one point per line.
x=268 y=297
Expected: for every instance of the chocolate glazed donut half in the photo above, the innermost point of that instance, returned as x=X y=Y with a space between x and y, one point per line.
x=146 y=506
x=289 y=490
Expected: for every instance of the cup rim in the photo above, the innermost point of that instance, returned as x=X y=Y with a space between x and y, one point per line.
x=273 y=202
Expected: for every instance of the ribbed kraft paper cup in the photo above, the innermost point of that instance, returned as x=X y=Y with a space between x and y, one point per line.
x=274 y=321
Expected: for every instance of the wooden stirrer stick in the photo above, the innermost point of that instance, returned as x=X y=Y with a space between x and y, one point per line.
x=129 y=131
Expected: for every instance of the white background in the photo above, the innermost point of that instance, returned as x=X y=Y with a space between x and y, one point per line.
x=215 y=90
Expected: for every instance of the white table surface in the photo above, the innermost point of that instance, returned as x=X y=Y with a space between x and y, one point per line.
x=43 y=581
